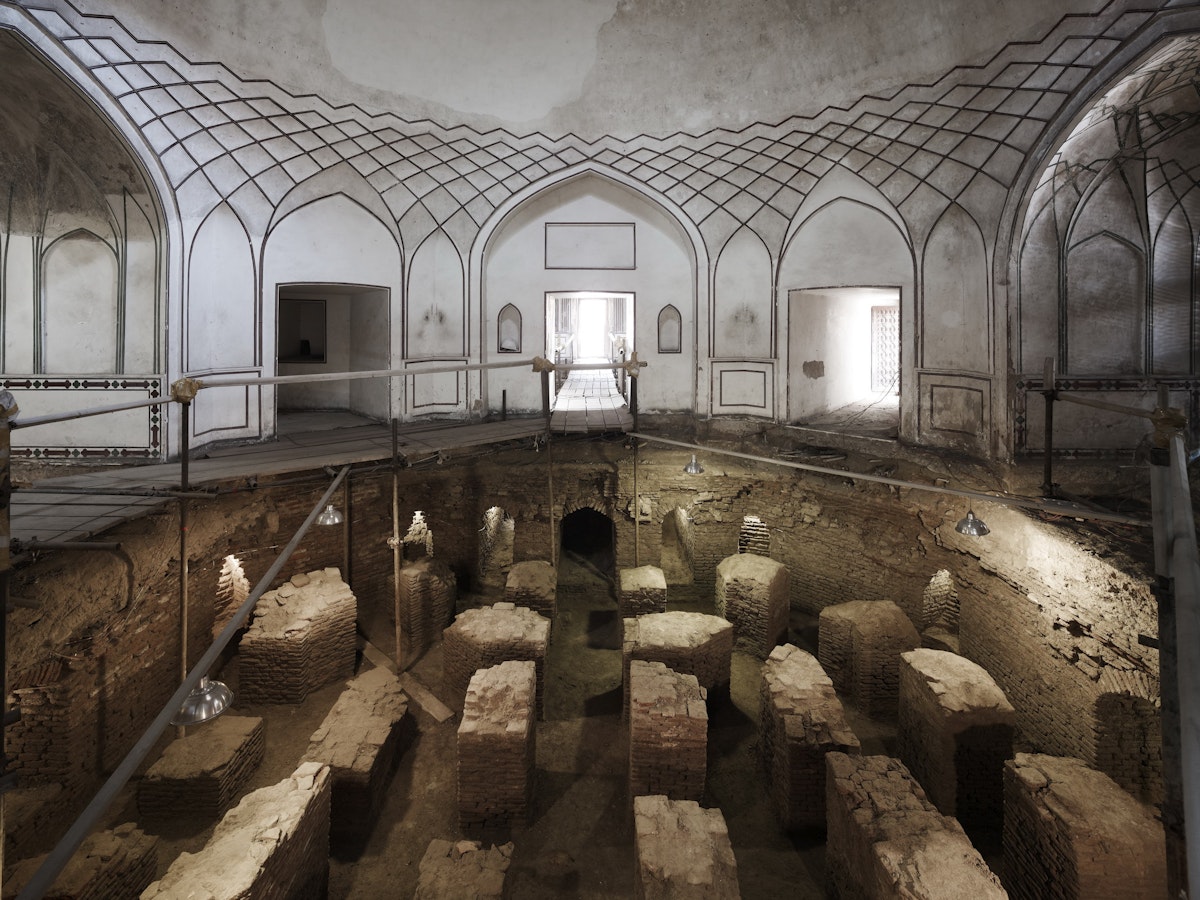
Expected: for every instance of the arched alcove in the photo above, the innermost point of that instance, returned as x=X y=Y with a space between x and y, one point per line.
x=743 y=305
x=496 y=537
x=435 y=305
x=589 y=233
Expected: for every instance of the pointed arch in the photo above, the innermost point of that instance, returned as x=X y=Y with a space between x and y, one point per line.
x=743 y=307
x=221 y=322
x=955 y=313
x=580 y=194
x=435 y=301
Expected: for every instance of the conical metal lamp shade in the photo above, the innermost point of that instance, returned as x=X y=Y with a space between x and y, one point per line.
x=207 y=700
x=329 y=516
x=693 y=467
x=971 y=525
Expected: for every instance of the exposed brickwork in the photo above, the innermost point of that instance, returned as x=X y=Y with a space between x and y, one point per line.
x=428 y=596
x=533 y=583
x=885 y=840
x=1071 y=833
x=690 y=643
x=752 y=593
x=287 y=827
x=800 y=720
x=360 y=740
x=642 y=590
x=485 y=637
x=668 y=733
x=683 y=851
x=955 y=733
x=496 y=749
x=203 y=772
x=859 y=646
x=109 y=865
x=301 y=638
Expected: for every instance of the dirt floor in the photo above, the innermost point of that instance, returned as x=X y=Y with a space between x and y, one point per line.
x=580 y=842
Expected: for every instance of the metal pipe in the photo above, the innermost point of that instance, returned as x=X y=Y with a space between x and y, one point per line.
x=185 y=408
x=84 y=413
x=1049 y=392
x=637 y=507
x=57 y=859
x=396 y=545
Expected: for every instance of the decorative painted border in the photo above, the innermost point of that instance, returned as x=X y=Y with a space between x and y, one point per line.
x=146 y=388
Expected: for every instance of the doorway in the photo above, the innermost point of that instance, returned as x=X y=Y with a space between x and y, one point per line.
x=591 y=326
x=328 y=328
x=844 y=359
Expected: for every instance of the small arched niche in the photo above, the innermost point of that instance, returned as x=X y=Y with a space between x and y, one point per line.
x=508 y=330
x=233 y=587
x=670 y=330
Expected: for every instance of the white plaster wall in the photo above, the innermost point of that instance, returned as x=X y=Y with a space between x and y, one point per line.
x=19 y=300
x=143 y=319
x=222 y=309
x=592 y=66
x=514 y=272
x=743 y=306
x=368 y=337
x=80 y=289
x=436 y=312
x=955 y=312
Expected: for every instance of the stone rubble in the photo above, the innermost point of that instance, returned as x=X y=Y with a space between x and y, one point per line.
x=642 y=590
x=202 y=773
x=274 y=845
x=496 y=749
x=463 y=870
x=487 y=636
x=752 y=593
x=800 y=720
x=668 y=732
x=683 y=851
x=301 y=637
x=109 y=865
x=688 y=642
x=955 y=732
x=360 y=740
x=885 y=840
x=859 y=645
x=1071 y=833
x=534 y=584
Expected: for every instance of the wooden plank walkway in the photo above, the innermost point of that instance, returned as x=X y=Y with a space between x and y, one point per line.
x=589 y=402
x=75 y=507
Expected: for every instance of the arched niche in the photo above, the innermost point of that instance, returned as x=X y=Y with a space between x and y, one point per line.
x=80 y=304
x=1171 y=309
x=1106 y=296
x=1038 y=280
x=508 y=329
x=955 y=313
x=221 y=308
x=436 y=297
x=661 y=270
x=670 y=330
x=846 y=259
x=336 y=251
x=743 y=304
x=678 y=547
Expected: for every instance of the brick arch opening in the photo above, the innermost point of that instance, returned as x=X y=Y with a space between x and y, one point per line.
x=588 y=536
